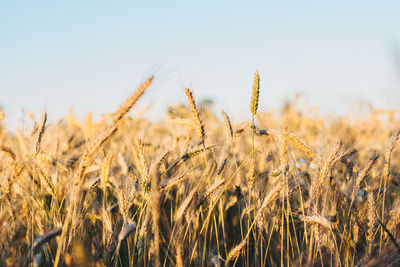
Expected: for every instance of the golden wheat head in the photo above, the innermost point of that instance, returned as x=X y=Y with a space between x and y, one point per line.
x=255 y=95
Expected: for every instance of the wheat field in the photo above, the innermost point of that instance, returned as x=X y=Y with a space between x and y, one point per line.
x=285 y=188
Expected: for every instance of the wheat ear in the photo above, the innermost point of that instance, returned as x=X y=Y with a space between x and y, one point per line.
x=386 y=168
x=8 y=151
x=184 y=207
x=214 y=187
x=255 y=95
x=127 y=105
x=388 y=153
x=299 y=144
x=105 y=170
x=8 y=188
x=195 y=115
x=362 y=174
x=42 y=126
x=235 y=252
x=228 y=126
x=317 y=219
x=251 y=174
x=371 y=211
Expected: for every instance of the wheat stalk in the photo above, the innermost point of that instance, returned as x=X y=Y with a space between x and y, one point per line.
x=155 y=209
x=272 y=195
x=41 y=240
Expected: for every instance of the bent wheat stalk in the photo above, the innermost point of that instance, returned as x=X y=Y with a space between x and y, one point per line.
x=87 y=158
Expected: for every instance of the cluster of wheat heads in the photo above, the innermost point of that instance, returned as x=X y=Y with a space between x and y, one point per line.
x=286 y=188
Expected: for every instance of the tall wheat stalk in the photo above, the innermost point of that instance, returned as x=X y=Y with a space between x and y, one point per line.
x=254 y=105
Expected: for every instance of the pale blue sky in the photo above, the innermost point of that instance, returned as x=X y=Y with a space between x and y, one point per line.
x=90 y=55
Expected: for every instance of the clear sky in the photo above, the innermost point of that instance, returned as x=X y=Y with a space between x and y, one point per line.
x=90 y=55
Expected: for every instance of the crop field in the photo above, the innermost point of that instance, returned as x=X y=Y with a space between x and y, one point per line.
x=198 y=188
